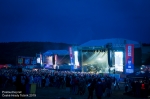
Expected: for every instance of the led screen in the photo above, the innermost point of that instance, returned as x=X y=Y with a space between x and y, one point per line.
x=76 y=59
x=96 y=61
x=38 y=60
x=119 y=61
x=49 y=62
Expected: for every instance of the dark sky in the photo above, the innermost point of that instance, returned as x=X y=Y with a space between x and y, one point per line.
x=74 y=21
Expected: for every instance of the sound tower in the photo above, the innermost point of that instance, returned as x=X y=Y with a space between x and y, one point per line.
x=109 y=48
x=53 y=59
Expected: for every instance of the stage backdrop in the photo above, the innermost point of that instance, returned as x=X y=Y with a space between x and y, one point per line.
x=129 y=58
x=96 y=61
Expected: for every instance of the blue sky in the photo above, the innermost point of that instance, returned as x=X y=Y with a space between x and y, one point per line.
x=74 y=21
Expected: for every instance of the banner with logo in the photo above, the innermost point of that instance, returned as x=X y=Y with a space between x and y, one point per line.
x=24 y=61
x=129 y=58
x=71 y=57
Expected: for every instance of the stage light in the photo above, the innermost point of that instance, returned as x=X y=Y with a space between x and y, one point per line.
x=76 y=59
x=69 y=63
x=38 y=60
x=99 y=59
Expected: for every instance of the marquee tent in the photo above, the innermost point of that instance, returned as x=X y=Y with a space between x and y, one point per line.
x=103 y=42
x=58 y=52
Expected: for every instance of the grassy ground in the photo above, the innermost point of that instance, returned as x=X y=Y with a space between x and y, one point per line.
x=55 y=93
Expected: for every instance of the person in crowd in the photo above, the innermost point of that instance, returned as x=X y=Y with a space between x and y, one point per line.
x=146 y=88
x=116 y=83
x=61 y=82
x=39 y=81
x=99 y=89
x=43 y=81
x=126 y=87
x=104 y=86
x=143 y=89
x=13 y=79
x=21 y=82
x=108 y=86
x=133 y=87
x=81 y=86
x=91 y=87
x=68 y=79
x=47 y=82
x=137 y=88
x=71 y=84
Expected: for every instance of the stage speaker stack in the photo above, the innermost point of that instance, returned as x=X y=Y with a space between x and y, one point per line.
x=109 y=48
x=53 y=60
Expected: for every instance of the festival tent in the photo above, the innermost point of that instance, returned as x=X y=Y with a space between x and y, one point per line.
x=58 y=52
x=103 y=42
x=62 y=56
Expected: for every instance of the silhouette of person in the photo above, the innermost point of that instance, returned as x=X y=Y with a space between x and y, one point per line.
x=21 y=81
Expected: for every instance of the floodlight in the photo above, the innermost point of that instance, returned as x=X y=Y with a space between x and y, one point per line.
x=99 y=59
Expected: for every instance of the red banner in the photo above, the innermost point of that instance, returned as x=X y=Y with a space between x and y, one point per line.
x=129 y=58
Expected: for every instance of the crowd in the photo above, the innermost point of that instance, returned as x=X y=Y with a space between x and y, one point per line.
x=77 y=82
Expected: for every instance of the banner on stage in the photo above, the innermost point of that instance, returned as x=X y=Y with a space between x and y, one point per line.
x=129 y=58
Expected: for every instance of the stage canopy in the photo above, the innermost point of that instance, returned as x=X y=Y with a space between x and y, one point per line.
x=103 y=42
x=58 y=52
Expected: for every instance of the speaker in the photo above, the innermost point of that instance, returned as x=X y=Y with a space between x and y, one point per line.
x=109 y=58
x=53 y=59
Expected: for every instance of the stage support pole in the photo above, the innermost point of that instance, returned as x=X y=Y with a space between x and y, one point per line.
x=80 y=60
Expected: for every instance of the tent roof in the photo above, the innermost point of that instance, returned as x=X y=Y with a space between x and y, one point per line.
x=58 y=52
x=103 y=42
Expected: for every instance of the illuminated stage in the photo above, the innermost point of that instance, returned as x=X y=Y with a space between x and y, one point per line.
x=99 y=56
x=97 y=61
x=109 y=56
x=53 y=59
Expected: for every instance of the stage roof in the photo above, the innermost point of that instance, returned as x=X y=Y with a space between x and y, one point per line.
x=58 y=52
x=103 y=42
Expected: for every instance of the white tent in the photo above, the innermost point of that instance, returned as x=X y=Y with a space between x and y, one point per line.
x=58 y=52
x=103 y=42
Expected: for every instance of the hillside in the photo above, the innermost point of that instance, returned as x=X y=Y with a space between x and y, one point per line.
x=11 y=50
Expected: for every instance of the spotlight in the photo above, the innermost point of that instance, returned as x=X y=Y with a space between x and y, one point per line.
x=99 y=59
